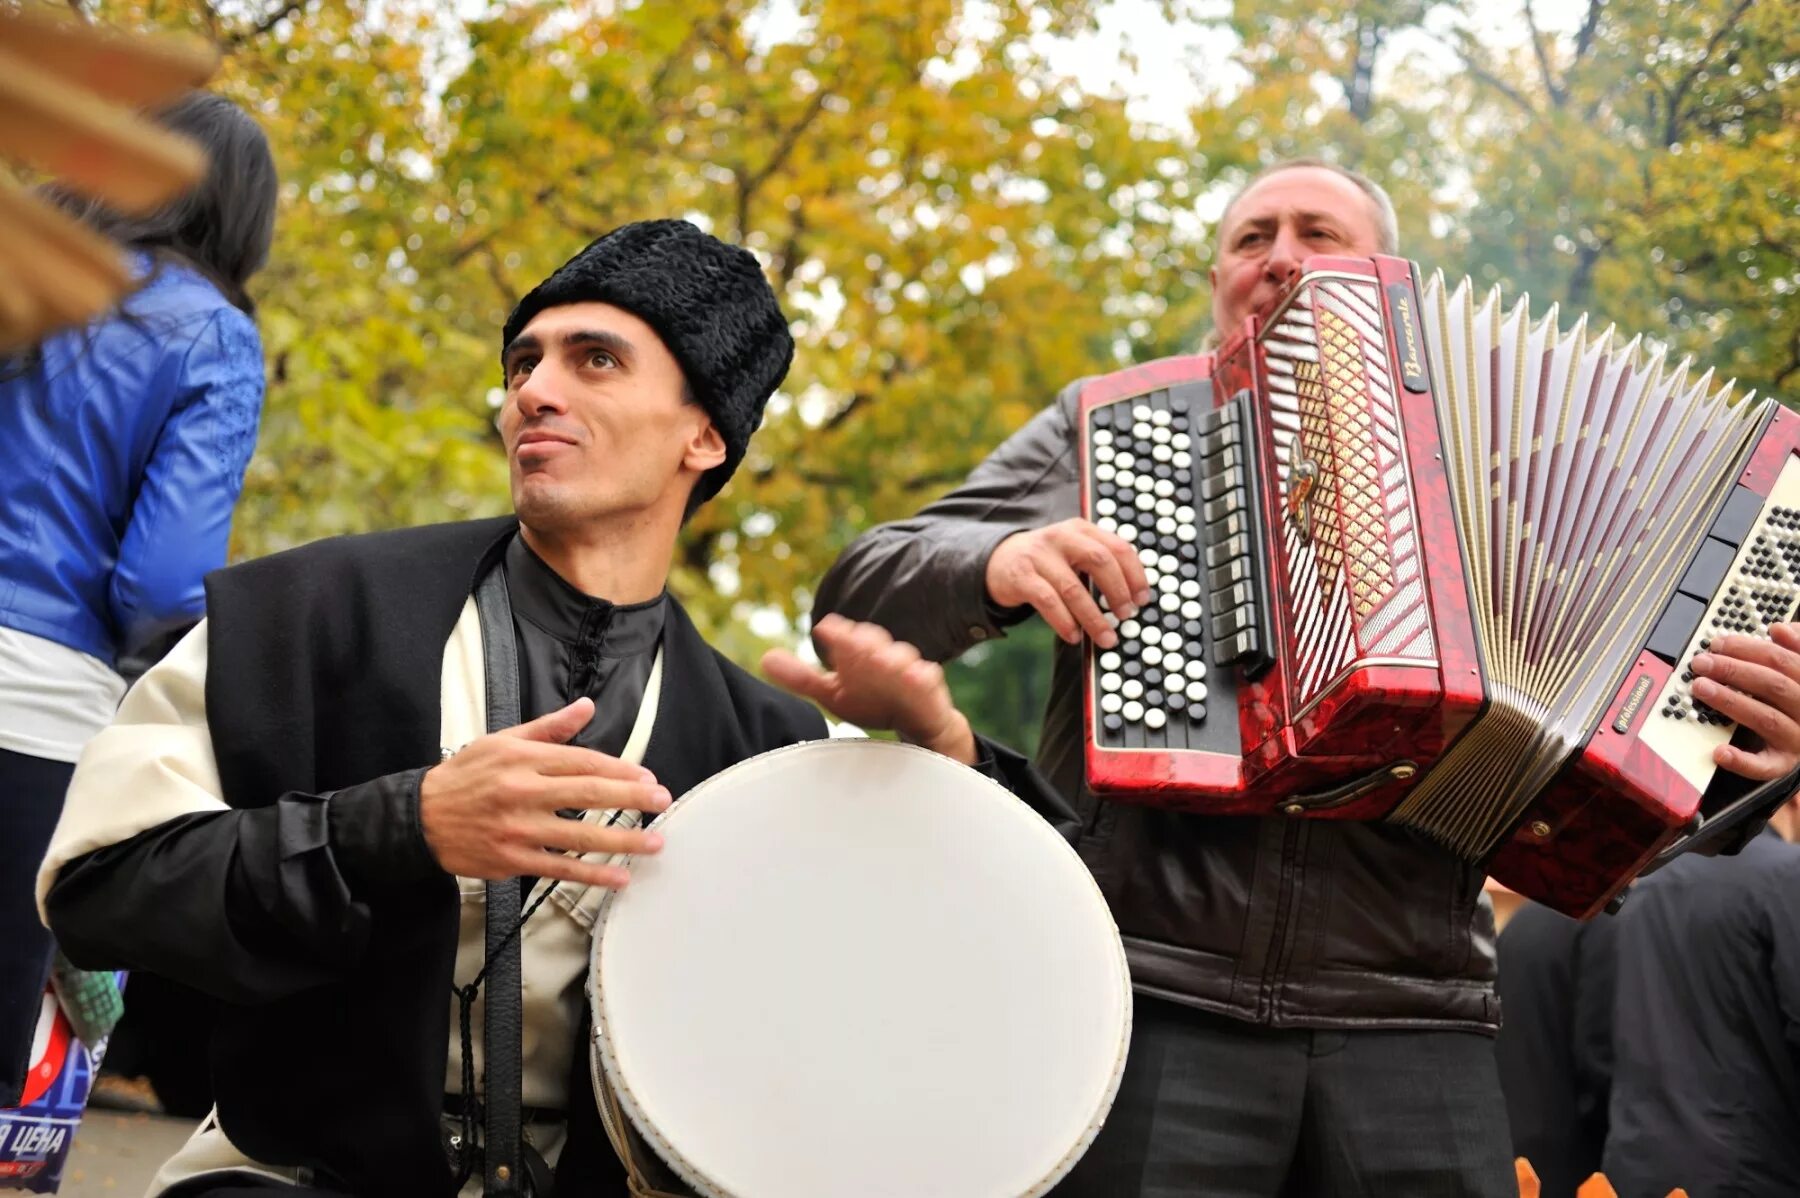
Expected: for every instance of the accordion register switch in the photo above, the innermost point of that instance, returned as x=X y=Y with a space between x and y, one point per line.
x=1421 y=557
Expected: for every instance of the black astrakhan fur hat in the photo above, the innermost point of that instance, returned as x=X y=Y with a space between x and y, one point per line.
x=710 y=304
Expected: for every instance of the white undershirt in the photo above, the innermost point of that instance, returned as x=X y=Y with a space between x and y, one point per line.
x=53 y=699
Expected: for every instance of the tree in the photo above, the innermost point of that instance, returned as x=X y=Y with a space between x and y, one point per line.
x=956 y=230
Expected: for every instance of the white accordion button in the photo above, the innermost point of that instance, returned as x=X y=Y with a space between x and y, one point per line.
x=1134 y=711
x=1179 y=442
x=1147 y=556
x=1190 y=610
x=1107 y=522
x=1185 y=532
x=1168 y=583
x=1171 y=640
x=1125 y=478
x=1160 y=452
x=1110 y=703
x=1109 y=681
x=1123 y=461
x=1154 y=718
x=1160 y=434
x=1170 y=564
x=1160 y=416
x=1130 y=629
x=1141 y=430
x=1150 y=575
x=1151 y=655
x=1103 y=436
x=1131 y=688
x=1184 y=513
x=1104 y=472
x=1145 y=501
x=1164 y=507
x=1128 y=531
x=1196 y=692
x=1141 y=412
x=1164 y=488
x=1196 y=669
x=1110 y=661
x=1103 y=453
x=1105 y=507
x=1181 y=461
x=1172 y=662
x=1190 y=589
x=1166 y=526
x=1169 y=602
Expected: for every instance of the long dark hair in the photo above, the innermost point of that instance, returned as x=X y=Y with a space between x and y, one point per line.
x=223 y=227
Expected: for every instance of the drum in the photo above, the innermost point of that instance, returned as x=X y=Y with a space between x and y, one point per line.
x=856 y=967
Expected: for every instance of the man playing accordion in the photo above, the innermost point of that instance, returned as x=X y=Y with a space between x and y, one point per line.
x=1315 y=998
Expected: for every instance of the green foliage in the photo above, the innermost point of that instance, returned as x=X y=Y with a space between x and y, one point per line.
x=956 y=230
x=1004 y=684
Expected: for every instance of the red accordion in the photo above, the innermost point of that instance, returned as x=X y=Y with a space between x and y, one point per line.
x=1424 y=559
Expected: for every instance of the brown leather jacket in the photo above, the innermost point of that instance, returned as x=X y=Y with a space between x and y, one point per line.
x=1290 y=923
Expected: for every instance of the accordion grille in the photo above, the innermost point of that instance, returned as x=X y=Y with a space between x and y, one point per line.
x=1352 y=567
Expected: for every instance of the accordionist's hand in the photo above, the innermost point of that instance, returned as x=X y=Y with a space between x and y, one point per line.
x=490 y=810
x=877 y=682
x=1756 y=682
x=1047 y=569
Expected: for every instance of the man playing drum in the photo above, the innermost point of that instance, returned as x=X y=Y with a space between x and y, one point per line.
x=288 y=808
x=1315 y=999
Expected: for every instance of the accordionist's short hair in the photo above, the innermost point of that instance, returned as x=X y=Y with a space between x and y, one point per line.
x=1387 y=227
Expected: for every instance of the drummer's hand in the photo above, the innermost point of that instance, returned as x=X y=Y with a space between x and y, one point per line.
x=489 y=811
x=879 y=682
x=1756 y=682
x=1049 y=568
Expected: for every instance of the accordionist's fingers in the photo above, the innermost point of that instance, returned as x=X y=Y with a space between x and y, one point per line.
x=1108 y=560
x=1752 y=695
x=1764 y=670
x=1063 y=600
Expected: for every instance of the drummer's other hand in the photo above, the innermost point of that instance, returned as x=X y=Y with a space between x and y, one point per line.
x=878 y=682
x=1755 y=681
x=489 y=810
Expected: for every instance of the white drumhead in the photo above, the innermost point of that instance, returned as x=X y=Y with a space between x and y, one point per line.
x=859 y=968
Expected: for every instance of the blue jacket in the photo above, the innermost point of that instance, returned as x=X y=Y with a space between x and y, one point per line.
x=122 y=453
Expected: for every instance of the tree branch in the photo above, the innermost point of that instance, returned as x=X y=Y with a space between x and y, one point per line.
x=1485 y=76
x=1584 y=41
x=857 y=400
x=1681 y=89
x=1551 y=86
x=1581 y=280
x=788 y=261
x=1793 y=365
x=498 y=274
x=262 y=27
x=749 y=185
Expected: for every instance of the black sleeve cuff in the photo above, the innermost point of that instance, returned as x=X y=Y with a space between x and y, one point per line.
x=376 y=836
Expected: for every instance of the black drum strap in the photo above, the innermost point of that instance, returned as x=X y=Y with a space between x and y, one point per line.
x=503 y=1021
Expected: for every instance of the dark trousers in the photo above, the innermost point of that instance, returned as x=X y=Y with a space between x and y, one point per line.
x=1217 y=1107
x=31 y=797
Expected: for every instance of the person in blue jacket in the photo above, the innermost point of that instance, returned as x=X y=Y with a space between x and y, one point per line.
x=123 y=446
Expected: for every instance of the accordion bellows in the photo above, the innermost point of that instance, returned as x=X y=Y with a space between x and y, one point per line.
x=1423 y=557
